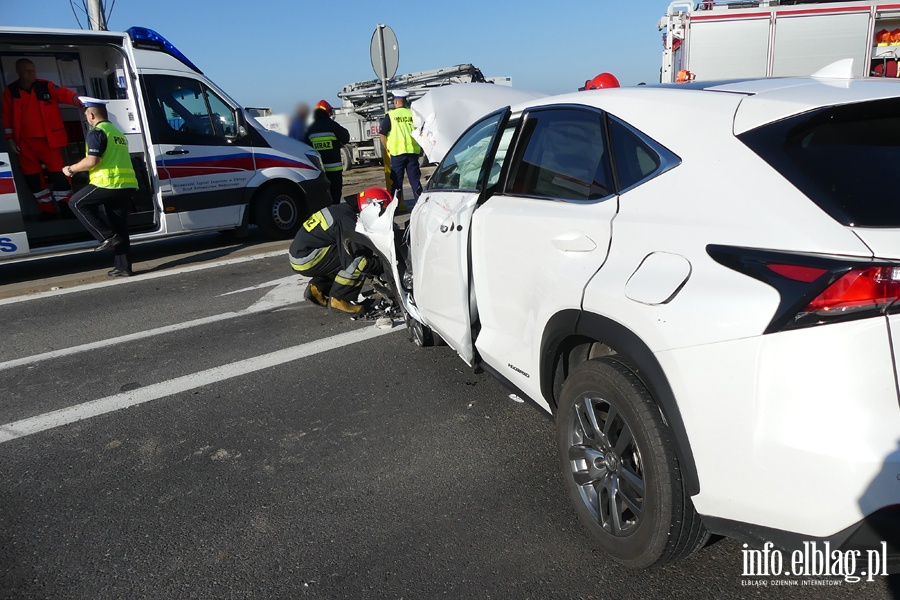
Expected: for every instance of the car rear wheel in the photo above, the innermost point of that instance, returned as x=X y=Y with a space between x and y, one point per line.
x=279 y=210
x=620 y=467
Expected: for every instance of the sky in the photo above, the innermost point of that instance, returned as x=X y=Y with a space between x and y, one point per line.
x=279 y=52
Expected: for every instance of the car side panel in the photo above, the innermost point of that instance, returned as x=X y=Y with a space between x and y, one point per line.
x=531 y=259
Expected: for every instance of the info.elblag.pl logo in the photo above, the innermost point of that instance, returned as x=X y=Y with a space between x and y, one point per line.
x=813 y=560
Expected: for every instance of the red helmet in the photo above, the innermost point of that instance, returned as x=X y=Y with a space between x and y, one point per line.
x=326 y=107
x=373 y=195
x=601 y=81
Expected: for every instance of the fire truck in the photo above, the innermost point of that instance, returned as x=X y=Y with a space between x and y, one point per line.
x=770 y=38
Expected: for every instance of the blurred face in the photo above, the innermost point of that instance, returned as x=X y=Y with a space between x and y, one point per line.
x=27 y=74
x=303 y=110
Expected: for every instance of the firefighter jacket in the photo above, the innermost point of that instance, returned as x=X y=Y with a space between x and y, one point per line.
x=48 y=96
x=324 y=233
x=327 y=137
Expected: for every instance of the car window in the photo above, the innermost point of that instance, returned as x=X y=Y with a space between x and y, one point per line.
x=184 y=111
x=500 y=156
x=462 y=167
x=635 y=160
x=562 y=154
x=844 y=158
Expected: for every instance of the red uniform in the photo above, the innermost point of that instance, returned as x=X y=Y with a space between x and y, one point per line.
x=32 y=120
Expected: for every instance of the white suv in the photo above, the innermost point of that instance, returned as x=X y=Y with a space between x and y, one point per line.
x=699 y=282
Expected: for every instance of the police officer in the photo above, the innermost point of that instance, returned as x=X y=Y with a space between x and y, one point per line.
x=323 y=250
x=396 y=136
x=112 y=185
x=34 y=127
x=327 y=137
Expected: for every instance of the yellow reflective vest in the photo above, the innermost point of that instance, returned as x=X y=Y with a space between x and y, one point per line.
x=399 y=138
x=114 y=171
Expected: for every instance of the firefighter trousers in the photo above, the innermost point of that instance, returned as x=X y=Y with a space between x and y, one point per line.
x=323 y=267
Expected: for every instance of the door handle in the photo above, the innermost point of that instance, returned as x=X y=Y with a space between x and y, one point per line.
x=574 y=242
x=445 y=228
x=179 y=151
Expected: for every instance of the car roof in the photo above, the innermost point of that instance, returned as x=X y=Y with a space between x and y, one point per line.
x=756 y=102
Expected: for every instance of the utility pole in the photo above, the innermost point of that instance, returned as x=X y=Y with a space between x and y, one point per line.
x=96 y=15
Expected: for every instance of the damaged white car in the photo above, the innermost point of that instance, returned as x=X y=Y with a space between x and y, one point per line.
x=698 y=282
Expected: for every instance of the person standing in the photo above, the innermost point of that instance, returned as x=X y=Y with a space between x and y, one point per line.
x=327 y=137
x=396 y=136
x=34 y=127
x=297 y=126
x=112 y=185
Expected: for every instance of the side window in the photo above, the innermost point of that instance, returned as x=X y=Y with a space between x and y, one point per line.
x=635 y=160
x=184 y=111
x=502 y=149
x=463 y=165
x=562 y=154
x=222 y=115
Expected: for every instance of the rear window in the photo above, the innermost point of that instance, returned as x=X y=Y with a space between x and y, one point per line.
x=844 y=158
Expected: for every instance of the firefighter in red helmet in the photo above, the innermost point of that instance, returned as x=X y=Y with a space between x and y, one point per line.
x=602 y=81
x=327 y=137
x=324 y=251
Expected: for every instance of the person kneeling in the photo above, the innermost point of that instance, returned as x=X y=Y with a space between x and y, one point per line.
x=323 y=251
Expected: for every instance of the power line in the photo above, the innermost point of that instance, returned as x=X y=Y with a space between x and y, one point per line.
x=77 y=20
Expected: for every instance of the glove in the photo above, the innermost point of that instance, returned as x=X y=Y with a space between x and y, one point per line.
x=13 y=147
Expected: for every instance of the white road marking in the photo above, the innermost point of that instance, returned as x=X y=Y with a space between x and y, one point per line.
x=102 y=406
x=288 y=290
x=139 y=278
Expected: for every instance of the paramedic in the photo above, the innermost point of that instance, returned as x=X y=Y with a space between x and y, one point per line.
x=34 y=128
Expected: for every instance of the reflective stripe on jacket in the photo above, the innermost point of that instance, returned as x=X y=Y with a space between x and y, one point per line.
x=327 y=137
x=399 y=138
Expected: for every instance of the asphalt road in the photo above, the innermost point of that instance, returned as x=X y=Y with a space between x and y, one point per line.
x=254 y=446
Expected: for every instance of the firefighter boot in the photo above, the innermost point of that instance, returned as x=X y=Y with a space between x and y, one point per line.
x=344 y=306
x=315 y=295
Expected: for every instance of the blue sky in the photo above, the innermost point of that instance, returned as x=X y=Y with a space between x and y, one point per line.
x=276 y=52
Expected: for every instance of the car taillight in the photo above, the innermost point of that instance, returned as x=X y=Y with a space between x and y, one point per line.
x=817 y=289
x=859 y=289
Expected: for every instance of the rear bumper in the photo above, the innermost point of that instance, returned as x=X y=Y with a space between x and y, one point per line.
x=795 y=432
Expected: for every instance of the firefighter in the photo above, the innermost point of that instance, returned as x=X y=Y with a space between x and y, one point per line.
x=323 y=250
x=327 y=137
x=396 y=136
x=34 y=129
x=112 y=185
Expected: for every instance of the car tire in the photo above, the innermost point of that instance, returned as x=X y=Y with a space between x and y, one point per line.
x=346 y=159
x=279 y=210
x=620 y=467
x=420 y=334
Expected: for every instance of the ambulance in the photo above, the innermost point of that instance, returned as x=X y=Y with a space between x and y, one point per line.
x=203 y=162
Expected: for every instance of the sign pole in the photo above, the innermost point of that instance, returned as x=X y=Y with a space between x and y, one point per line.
x=383 y=66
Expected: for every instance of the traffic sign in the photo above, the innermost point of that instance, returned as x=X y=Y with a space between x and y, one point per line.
x=385 y=52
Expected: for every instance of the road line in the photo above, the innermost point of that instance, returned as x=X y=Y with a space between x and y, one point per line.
x=287 y=291
x=102 y=406
x=139 y=278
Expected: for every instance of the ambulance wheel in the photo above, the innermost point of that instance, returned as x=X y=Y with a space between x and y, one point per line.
x=278 y=210
x=419 y=334
x=346 y=159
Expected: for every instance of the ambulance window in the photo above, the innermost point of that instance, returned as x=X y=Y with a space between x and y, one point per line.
x=222 y=115
x=184 y=111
